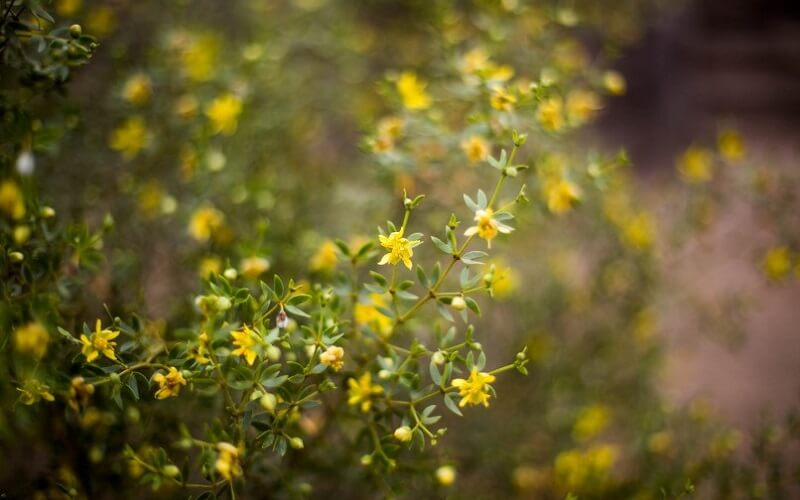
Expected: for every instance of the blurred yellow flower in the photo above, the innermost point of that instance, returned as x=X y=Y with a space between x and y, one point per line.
x=412 y=92
x=400 y=249
x=186 y=106
x=560 y=195
x=325 y=258
x=205 y=221
x=501 y=99
x=550 y=114
x=199 y=57
x=446 y=475
x=245 y=339
x=79 y=392
x=200 y=352
x=582 y=106
x=333 y=356
x=487 y=227
x=777 y=263
x=32 y=339
x=34 y=391
x=475 y=148
x=579 y=470
x=130 y=137
x=474 y=61
x=100 y=342
x=137 y=89
x=67 y=8
x=169 y=385
x=730 y=145
x=101 y=21
x=209 y=266
x=368 y=315
x=253 y=267
x=223 y=113
x=361 y=391
x=227 y=464
x=591 y=421
x=12 y=203
x=21 y=234
x=694 y=166
x=638 y=231
x=391 y=126
x=660 y=442
x=475 y=389
x=614 y=82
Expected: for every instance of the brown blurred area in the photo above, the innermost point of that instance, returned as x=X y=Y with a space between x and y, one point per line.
x=716 y=63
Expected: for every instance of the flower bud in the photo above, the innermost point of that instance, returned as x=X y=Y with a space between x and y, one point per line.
x=171 y=470
x=273 y=353
x=403 y=434
x=384 y=374
x=458 y=303
x=446 y=475
x=223 y=303
x=296 y=443
x=231 y=273
x=47 y=212
x=75 y=31
x=268 y=402
x=16 y=256
x=366 y=460
x=438 y=358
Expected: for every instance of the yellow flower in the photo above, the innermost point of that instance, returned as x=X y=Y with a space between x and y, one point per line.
x=591 y=422
x=32 y=339
x=130 y=137
x=360 y=391
x=227 y=464
x=185 y=107
x=614 y=82
x=326 y=257
x=369 y=315
x=333 y=357
x=253 y=267
x=446 y=475
x=100 y=342
x=391 y=126
x=487 y=227
x=34 y=391
x=205 y=222
x=101 y=21
x=777 y=263
x=21 y=234
x=170 y=384
x=502 y=99
x=400 y=249
x=245 y=339
x=730 y=145
x=581 y=106
x=475 y=389
x=223 y=113
x=209 y=266
x=12 y=204
x=560 y=195
x=694 y=166
x=412 y=91
x=550 y=114
x=199 y=58
x=200 y=353
x=576 y=469
x=501 y=278
x=475 y=148
x=79 y=393
x=637 y=231
x=67 y=8
x=474 y=61
x=137 y=89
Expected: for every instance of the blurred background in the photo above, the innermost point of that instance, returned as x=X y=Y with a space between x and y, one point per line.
x=659 y=312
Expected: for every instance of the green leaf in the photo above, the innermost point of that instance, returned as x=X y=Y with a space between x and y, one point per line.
x=441 y=245
x=451 y=404
x=297 y=311
x=436 y=377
